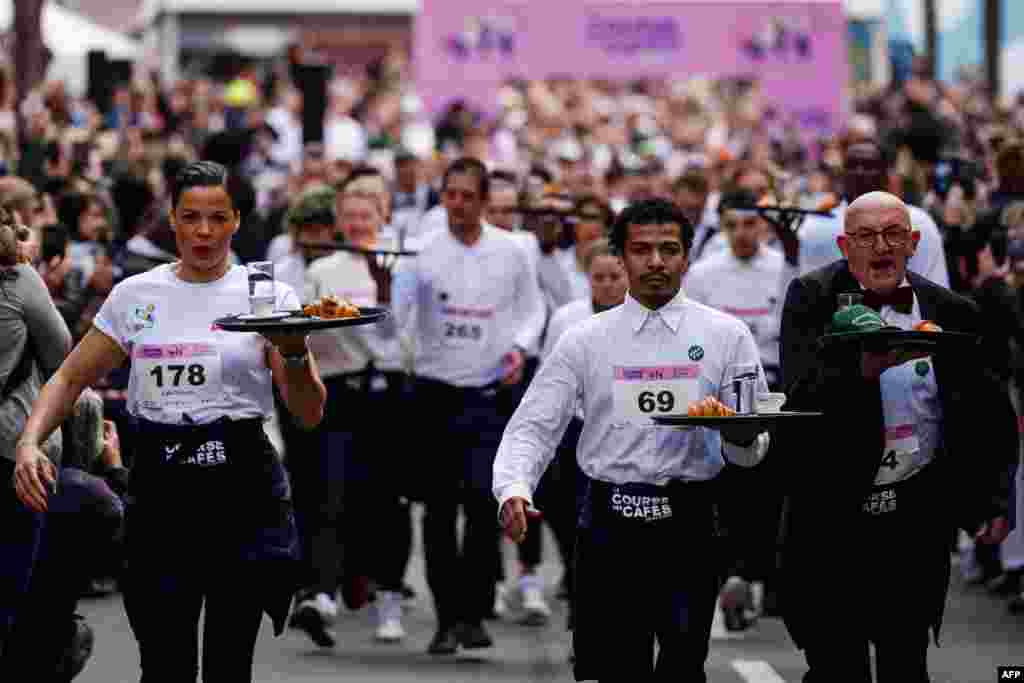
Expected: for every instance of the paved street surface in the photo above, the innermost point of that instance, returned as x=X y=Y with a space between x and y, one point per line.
x=978 y=636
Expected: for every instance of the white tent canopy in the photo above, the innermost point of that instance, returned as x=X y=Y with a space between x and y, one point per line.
x=70 y=37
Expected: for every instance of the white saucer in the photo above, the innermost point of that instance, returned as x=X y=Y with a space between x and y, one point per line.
x=272 y=316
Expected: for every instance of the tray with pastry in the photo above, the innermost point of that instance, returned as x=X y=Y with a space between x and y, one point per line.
x=326 y=313
x=712 y=413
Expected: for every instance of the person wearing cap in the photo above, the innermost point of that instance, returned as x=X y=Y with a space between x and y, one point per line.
x=899 y=441
x=471 y=305
x=650 y=487
x=310 y=219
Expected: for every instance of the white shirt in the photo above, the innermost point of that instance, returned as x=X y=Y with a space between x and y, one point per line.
x=565 y=318
x=182 y=364
x=911 y=408
x=291 y=270
x=287 y=149
x=466 y=307
x=351 y=349
x=344 y=138
x=818 y=246
x=433 y=220
x=745 y=289
x=551 y=276
x=280 y=247
x=579 y=282
x=623 y=364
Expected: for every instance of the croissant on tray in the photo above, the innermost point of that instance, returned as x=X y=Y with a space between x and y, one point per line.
x=709 y=407
x=329 y=307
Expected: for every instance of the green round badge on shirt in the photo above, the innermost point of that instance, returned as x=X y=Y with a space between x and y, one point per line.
x=922 y=367
x=696 y=352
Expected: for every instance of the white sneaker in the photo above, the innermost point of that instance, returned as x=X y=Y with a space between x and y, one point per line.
x=325 y=605
x=500 y=601
x=389 y=617
x=535 y=608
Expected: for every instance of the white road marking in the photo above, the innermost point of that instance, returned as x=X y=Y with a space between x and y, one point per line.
x=756 y=671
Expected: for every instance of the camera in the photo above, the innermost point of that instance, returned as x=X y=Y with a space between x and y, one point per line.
x=952 y=171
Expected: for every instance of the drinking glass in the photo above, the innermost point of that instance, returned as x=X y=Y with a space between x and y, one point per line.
x=742 y=388
x=262 y=295
x=848 y=299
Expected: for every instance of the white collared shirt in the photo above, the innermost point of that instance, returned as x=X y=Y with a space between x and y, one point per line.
x=466 y=307
x=625 y=364
x=745 y=289
x=565 y=318
x=911 y=408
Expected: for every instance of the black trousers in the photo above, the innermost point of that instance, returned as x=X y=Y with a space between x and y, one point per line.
x=672 y=594
x=346 y=469
x=164 y=609
x=374 y=485
x=899 y=658
x=457 y=469
x=210 y=530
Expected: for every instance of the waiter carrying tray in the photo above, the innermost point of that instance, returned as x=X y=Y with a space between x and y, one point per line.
x=912 y=445
x=650 y=488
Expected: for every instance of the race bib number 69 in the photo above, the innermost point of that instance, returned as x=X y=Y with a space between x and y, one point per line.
x=643 y=392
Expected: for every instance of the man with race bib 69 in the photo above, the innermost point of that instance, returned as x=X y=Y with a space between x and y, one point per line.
x=651 y=488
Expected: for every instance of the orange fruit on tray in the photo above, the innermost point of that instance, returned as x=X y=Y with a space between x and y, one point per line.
x=927 y=326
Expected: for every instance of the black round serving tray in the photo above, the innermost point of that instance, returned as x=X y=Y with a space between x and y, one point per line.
x=301 y=323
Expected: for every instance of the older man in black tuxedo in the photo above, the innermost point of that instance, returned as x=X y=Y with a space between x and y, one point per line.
x=910 y=448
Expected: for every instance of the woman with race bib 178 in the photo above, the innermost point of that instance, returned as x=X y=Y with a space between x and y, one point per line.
x=210 y=524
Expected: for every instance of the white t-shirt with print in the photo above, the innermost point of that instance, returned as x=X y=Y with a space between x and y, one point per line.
x=186 y=370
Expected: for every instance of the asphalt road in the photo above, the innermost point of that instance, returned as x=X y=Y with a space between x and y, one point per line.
x=978 y=637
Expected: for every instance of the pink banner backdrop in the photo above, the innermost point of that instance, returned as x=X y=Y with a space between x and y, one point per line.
x=796 y=50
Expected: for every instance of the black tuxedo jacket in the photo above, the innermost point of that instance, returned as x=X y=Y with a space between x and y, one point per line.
x=830 y=463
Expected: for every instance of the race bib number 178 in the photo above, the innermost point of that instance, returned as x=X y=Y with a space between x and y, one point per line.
x=178 y=377
x=643 y=392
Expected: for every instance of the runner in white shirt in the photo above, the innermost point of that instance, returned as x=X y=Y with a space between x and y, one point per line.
x=743 y=280
x=472 y=305
x=650 y=487
x=211 y=511
x=363 y=369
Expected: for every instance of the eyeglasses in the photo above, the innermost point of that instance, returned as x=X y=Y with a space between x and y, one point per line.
x=867 y=238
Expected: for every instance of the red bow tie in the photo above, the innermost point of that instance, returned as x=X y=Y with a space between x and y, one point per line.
x=901 y=300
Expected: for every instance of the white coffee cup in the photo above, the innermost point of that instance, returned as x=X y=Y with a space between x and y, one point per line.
x=770 y=402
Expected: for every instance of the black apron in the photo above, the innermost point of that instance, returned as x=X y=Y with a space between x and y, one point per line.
x=213 y=497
